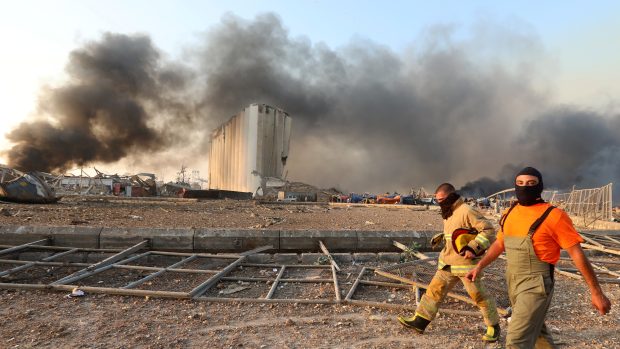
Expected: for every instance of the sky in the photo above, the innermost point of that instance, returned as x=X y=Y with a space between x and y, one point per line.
x=580 y=38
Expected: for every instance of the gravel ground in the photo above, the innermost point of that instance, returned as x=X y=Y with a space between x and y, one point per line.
x=42 y=319
x=217 y=214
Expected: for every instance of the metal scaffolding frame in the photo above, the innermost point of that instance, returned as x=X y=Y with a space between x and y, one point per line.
x=122 y=259
x=591 y=205
x=412 y=275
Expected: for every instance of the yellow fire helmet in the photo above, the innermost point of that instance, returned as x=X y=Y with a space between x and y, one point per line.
x=461 y=237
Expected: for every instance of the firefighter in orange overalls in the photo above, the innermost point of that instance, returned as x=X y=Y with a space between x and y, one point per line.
x=467 y=235
x=532 y=232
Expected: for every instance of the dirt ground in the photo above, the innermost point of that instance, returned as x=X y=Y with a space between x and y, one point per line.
x=40 y=319
x=112 y=212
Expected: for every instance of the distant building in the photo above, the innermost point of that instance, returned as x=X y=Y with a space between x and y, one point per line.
x=249 y=148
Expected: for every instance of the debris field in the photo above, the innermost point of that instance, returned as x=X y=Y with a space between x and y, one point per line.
x=191 y=213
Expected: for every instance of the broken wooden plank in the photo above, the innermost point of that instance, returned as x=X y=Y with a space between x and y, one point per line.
x=602 y=249
x=336 y=287
x=405 y=248
x=355 y=284
x=592 y=241
x=326 y=252
x=425 y=286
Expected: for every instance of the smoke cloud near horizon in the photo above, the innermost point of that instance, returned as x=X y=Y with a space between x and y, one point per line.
x=104 y=111
x=470 y=110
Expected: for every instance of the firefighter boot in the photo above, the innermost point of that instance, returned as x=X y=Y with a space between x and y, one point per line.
x=416 y=322
x=492 y=334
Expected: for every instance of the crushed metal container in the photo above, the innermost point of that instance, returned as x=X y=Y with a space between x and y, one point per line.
x=28 y=188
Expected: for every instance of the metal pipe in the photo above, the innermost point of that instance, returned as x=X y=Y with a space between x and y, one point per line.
x=275 y=283
x=90 y=271
x=259 y=265
x=21 y=247
x=33 y=263
x=203 y=287
x=159 y=272
x=272 y=300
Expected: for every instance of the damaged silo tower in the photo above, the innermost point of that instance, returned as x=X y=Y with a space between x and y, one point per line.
x=253 y=144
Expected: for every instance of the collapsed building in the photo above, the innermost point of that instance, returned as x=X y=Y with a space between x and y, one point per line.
x=248 y=152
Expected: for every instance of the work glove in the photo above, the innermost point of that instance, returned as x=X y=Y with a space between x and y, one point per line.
x=437 y=240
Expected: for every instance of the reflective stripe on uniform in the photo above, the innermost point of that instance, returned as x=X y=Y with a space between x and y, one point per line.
x=456 y=269
x=482 y=241
x=440 y=264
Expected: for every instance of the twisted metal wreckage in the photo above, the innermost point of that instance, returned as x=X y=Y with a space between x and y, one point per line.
x=43 y=188
x=141 y=271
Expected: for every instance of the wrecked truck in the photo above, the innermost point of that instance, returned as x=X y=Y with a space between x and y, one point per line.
x=16 y=186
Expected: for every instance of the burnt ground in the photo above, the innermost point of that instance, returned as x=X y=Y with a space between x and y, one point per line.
x=112 y=212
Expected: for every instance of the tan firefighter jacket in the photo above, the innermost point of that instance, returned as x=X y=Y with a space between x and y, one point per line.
x=465 y=216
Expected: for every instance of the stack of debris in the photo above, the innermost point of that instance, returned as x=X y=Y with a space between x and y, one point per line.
x=298 y=190
x=139 y=185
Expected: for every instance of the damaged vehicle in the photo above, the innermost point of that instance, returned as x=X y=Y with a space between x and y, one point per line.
x=16 y=186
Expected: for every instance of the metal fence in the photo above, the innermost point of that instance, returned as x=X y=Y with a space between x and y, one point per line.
x=590 y=204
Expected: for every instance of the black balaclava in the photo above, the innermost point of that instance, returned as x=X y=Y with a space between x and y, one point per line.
x=529 y=195
x=446 y=205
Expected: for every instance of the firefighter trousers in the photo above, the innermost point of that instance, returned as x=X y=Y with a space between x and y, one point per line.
x=443 y=282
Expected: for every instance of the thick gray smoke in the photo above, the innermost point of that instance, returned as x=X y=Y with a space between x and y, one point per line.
x=105 y=110
x=365 y=117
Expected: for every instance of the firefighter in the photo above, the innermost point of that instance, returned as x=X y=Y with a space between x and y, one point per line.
x=467 y=235
x=532 y=232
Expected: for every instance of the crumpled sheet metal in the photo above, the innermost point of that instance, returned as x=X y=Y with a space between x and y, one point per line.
x=27 y=188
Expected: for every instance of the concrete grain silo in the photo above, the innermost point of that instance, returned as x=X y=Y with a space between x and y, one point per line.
x=251 y=145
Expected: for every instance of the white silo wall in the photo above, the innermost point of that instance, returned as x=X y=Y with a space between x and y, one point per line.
x=251 y=144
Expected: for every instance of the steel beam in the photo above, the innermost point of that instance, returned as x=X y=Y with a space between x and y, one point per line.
x=104 y=264
x=158 y=273
x=274 y=286
x=24 y=246
x=33 y=263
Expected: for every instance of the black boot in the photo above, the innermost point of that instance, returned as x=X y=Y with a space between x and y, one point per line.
x=416 y=322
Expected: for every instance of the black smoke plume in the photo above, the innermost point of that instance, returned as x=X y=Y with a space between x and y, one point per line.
x=366 y=118
x=104 y=111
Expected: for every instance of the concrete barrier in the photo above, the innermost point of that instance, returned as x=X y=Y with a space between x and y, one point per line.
x=310 y=258
x=308 y=240
x=19 y=235
x=365 y=257
x=343 y=258
x=286 y=258
x=382 y=240
x=234 y=240
x=75 y=236
x=218 y=240
x=161 y=238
